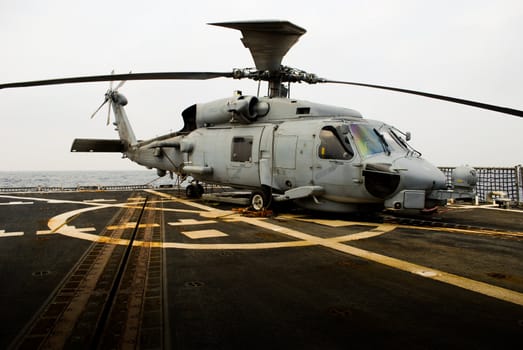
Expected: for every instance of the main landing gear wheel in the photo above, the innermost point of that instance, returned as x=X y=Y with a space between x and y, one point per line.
x=260 y=200
x=194 y=191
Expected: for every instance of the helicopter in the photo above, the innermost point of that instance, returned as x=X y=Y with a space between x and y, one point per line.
x=321 y=157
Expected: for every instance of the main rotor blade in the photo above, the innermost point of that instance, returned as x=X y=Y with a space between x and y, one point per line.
x=129 y=76
x=490 y=107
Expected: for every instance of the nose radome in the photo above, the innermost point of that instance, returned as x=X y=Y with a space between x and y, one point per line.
x=418 y=174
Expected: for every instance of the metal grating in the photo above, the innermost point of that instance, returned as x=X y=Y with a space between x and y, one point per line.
x=508 y=180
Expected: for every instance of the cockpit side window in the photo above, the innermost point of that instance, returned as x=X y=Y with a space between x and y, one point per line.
x=331 y=147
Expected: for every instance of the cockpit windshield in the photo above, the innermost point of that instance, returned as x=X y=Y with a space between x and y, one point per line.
x=373 y=139
x=394 y=141
x=399 y=142
x=368 y=140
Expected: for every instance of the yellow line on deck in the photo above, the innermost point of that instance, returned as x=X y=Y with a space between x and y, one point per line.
x=455 y=280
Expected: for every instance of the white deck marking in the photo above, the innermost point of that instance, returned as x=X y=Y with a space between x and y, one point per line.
x=188 y=222
x=16 y=203
x=204 y=234
x=50 y=232
x=4 y=234
x=54 y=201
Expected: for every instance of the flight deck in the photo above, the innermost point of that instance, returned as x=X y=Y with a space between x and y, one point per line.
x=151 y=269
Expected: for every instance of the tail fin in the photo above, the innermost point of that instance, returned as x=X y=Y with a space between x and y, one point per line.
x=118 y=101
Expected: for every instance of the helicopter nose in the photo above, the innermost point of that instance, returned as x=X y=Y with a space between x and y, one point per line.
x=383 y=180
x=418 y=174
x=417 y=179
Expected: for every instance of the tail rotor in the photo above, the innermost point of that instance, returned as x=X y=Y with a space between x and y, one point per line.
x=110 y=95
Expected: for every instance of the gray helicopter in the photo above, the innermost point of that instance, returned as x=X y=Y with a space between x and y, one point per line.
x=322 y=157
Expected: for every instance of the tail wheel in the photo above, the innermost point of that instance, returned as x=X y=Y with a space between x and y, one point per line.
x=260 y=200
x=199 y=190
x=194 y=191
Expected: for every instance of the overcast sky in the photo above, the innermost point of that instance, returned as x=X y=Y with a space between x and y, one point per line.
x=468 y=49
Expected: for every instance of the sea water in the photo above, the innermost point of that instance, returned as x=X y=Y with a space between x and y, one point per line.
x=81 y=178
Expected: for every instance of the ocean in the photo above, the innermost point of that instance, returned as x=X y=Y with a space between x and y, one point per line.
x=9 y=179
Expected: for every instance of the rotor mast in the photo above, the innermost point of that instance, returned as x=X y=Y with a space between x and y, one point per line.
x=268 y=42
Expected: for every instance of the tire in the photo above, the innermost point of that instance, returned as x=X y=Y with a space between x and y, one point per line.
x=199 y=190
x=190 y=191
x=260 y=200
x=194 y=191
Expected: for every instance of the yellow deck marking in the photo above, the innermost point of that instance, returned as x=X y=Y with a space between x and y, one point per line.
x=204 y=234
x=464 y=230
x=384 y=228
x=130 y=224
x=242 y=246
x=328 y=222
x=455 y=280
x=489 y=207
x=59 y=224
x=458 y=281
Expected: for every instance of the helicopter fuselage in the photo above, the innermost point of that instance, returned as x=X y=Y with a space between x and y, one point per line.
x=324 y=157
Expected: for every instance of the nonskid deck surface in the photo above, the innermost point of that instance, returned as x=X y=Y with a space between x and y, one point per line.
x=154 y=270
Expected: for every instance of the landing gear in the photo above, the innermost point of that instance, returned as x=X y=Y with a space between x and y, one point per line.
x=194 y=190
x=261 y=200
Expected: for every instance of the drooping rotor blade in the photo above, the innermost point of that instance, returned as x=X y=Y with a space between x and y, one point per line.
x=120 y=84
x=268 y=41
x=108 y=115
x=103 y=103
x=129 y=76
x=111 y=82
x=490 y=107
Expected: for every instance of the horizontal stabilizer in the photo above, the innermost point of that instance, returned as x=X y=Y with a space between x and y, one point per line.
x=97 y=145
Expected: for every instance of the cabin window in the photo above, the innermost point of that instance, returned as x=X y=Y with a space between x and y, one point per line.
x=241 y=149
x=303 y=110
x=331 y=147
